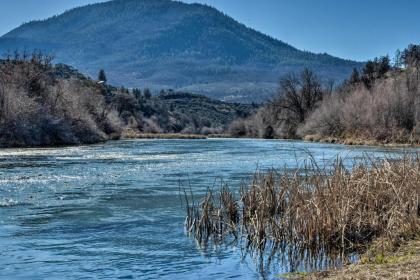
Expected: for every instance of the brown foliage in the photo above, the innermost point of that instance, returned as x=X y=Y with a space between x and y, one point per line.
x=38 y=108
x=313 y=212
x=388 y=112
x=298 y=96
x=42 y=104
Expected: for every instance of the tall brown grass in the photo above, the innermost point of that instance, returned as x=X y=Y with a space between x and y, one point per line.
x=315 y=212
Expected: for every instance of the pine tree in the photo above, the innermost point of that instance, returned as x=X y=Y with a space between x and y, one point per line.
x=102 y=76
x=137 y=93
x=355 y=76
x=147 y=94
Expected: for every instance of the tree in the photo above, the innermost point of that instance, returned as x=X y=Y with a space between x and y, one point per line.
x=398 y=62
x=384 y=65
x=355 y=76
x=102 y=76
x=299 y=95
x=375 y=69
x=137 y=93
x=411 y=56
x=147 y=94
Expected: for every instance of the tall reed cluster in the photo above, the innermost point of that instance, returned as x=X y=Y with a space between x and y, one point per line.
x=315 y=211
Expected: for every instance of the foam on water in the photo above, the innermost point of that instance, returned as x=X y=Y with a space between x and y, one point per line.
x=9 y=202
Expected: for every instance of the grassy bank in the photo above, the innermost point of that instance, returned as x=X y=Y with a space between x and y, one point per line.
x=401 y=262
x=355 y=141
x=135 y=134
x=314 y=215
x=139 y=135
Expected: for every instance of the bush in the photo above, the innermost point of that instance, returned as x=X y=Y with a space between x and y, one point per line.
x=383 y=105
x=42 y=104
x=388 y=111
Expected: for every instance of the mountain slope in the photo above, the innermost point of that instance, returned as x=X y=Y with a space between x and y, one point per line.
x=167 y=44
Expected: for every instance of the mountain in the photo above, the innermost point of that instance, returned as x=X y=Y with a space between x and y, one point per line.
x=167 y=44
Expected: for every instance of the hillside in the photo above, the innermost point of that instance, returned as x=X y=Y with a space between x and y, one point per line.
x=210 y=115
x=166 y=44
x=379 y=105
x=42 y=104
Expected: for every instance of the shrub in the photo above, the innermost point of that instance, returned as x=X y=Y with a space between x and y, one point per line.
x=388 y=111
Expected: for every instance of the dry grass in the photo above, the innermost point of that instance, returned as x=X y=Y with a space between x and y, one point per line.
x=214 y=218
x=316 y=215
x=355 y=141
x=132 y=134
x=221 y=135
x=403 y=263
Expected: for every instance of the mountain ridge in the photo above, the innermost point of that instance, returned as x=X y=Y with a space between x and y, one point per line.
x=169 y=44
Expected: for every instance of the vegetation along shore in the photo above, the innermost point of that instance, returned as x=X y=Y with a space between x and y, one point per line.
x=42 y=104
x=378 y=105
x=321 y=217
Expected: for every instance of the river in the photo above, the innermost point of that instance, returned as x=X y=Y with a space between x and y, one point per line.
x=113 y=211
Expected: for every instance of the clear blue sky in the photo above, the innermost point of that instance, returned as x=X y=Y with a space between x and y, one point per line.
x=354 y=29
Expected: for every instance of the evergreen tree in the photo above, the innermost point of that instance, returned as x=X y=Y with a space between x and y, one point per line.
x=137 y=93
x=411 y=56
x=355 y=76
x=384 y=65
x=375 y=69
x=102 y=76
x=147 y=94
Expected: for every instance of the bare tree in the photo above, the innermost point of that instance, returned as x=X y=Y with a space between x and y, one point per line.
x=298 y=96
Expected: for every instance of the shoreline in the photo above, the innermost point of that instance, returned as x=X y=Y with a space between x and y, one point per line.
x=351 y=211
x=400 y=262
x=356 y=142
x=162 y=136
x=392 y=263
x=131 y=135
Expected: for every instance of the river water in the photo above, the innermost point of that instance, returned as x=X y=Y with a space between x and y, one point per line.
x=113 y=211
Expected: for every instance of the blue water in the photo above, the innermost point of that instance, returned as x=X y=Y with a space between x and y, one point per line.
x=112 y=211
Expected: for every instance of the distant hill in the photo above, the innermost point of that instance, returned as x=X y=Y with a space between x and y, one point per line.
x=166 y=44
x=49 y=105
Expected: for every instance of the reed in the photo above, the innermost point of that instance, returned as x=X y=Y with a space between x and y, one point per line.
x=314 y=212
x=214 y=218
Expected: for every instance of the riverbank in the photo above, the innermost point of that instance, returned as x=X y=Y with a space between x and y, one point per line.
x=355 y=141
x=162 y=136
x=130 y=135
x=133 y=134
x=402 y=262
x=370 y=210
x=62 y=107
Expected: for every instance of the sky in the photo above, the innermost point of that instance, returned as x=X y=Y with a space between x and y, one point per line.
x=352 y=29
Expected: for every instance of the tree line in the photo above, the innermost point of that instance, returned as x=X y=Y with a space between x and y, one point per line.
x=380 y=102
x=42 y=104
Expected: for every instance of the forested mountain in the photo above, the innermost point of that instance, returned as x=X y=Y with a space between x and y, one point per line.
x=167 y=44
